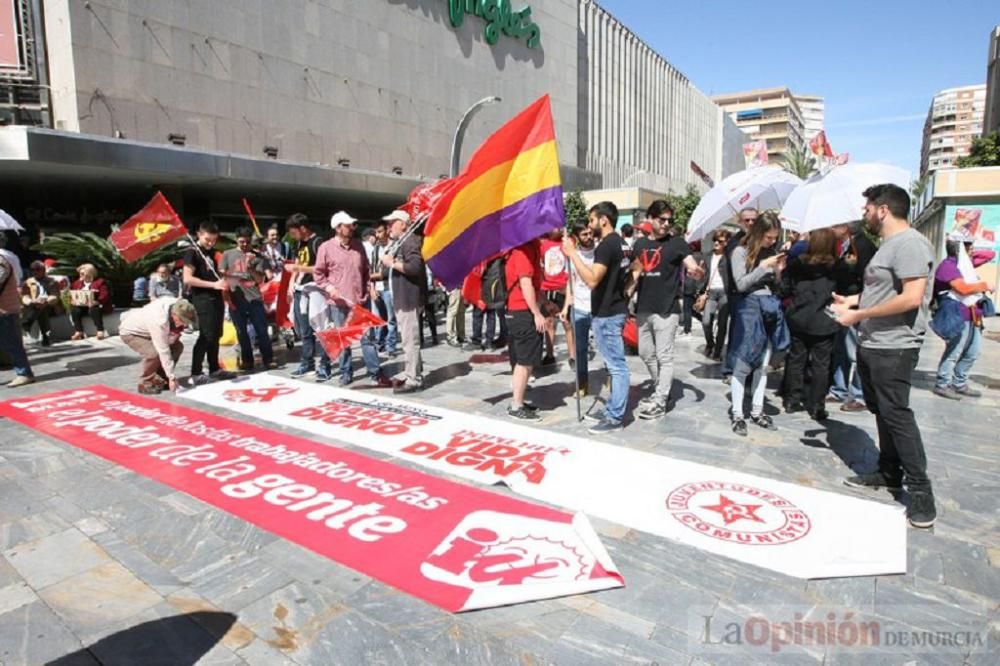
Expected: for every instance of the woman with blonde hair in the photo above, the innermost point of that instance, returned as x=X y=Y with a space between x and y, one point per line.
x=758 y=324
x=89 y=295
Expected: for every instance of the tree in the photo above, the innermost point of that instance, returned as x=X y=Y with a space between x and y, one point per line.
x=799 y=162
x=71 y=250
x=576 y=209
x=919 y=186
x=684 y=204
x=985 y=151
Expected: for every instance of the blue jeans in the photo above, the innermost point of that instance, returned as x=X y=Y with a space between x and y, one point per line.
x=960 y=352
x=581 y=333
x=339 y=315
x=12 y=344
x=608 y=336
x=388 y=336
x=300 y=312
x=252 y=312
x=845 y=354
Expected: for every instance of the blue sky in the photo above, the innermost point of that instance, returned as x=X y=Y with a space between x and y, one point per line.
x=877 y=63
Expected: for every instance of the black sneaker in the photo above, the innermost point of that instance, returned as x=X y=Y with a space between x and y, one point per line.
x=222 y=375
x=604 y=426
x=597 y=415
x=959 y=390
x=764 y=421
x=921 y=512
x=650 y=411
x=793 y=406
x=529 y=406
x=946 y=392
x=549 y=359
x=474 y=346
x=873 y=481
x=819 y=414
x=740 y=427
x=302 y=371
x=523 y=414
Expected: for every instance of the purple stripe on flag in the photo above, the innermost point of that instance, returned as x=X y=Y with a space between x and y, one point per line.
x=497 y=232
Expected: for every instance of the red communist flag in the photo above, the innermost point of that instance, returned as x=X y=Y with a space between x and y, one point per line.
x=362 y=316
x=336 y=340
x=151 y=228
x=424 y=197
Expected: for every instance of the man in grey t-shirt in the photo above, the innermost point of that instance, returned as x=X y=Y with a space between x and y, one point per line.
x=243 y=270
x=892 y=318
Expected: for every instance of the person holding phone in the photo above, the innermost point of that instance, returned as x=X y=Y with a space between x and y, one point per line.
x=759 y=326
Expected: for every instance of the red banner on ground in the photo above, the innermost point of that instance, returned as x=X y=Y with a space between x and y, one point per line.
x=151 y=228
x=457 y=547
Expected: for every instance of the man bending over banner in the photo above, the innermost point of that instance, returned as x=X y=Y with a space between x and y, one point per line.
x=153 y=331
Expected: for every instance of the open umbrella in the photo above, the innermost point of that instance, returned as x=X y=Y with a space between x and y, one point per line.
x=836 y=197
x=761 y=187
x=8 y=223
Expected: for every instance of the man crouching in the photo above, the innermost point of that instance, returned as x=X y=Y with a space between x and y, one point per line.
x=154 y=332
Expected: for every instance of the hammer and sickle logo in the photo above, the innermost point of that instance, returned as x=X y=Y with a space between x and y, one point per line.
x=150 y=232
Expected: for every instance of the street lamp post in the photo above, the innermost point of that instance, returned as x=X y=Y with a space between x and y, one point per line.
x=456 y=145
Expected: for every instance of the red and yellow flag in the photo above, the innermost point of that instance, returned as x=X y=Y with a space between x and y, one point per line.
x=819 y=146
x=151 y=228
x=510 y=193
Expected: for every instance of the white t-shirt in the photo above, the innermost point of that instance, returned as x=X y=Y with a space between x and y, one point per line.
x=715 y=279
x=581 y=292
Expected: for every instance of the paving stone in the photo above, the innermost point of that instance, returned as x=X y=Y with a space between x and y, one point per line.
x=33 y=634
x=30 y=528
x=259 y=653
x=54 y=558
x=137 y=562
x=233 y=634
x=15 y=595
x=98 y=598
x=239 y=582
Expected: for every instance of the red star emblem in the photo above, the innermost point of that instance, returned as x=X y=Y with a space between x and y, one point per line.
x=732 y=511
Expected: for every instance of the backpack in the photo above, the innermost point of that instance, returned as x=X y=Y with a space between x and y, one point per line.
x=494 y=286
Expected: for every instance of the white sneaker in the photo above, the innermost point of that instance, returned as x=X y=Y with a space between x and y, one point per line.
x=20 y=381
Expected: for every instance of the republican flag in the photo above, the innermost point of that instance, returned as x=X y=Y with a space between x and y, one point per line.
x=819 y=146
x=151 y=228
x=509 y=194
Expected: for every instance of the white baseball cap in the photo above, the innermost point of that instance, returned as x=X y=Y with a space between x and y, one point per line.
x=400 y=215
x=340 y=218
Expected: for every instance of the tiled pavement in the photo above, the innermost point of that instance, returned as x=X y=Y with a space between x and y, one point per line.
x=101 y=565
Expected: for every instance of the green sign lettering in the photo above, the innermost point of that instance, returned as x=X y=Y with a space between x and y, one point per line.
x=500 y=18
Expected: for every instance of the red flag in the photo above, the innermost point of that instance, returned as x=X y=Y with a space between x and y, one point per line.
x=698 y=171
x=246 y=206
x=362 y=316
x=336 y=340
x=424 y=196
x=843 y=158
x=819 y=146
x=151 y=228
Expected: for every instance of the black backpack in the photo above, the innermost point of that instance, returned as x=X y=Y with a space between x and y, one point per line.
x=494 y=287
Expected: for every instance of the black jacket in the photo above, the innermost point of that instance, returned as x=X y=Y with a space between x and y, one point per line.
x=849 y=271
x=809 y=290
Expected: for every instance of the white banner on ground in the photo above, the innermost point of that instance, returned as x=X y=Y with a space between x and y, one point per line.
x=784 y=527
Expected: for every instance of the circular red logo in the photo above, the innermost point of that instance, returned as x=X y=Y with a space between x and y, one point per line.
x=738 y=513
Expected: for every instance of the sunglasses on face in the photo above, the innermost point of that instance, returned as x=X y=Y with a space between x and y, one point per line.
x=665 y=219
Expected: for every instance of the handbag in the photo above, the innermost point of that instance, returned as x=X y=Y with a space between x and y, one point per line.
x=988 y=308
x=947 y=321
x=82 y=298
x=700 y=302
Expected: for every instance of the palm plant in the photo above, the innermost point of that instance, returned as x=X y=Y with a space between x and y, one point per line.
x=72 y=249
x=799 y=162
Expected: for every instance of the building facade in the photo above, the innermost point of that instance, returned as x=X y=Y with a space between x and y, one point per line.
x=813 y=115
x=771 y=114
x=991 y=114
x=326 y=104
x=954 y=119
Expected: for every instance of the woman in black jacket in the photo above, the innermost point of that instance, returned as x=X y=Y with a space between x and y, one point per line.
x=809 y=283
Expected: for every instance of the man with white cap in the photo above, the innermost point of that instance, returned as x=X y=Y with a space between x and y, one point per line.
x=408 y=282
x=343 y=273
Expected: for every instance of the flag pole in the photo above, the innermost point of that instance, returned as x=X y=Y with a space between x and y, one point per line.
x=572 y=322
x=253 y=220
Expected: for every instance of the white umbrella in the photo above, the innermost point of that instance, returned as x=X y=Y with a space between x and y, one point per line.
x=836 y=197
x=8 y=223
x=761 y=187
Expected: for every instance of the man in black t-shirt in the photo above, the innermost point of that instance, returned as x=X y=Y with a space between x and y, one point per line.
x=606 y=278
x=655 y=274
x=305 y=251
x=207 y=287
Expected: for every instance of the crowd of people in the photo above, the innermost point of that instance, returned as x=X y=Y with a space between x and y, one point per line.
x=846 y=307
